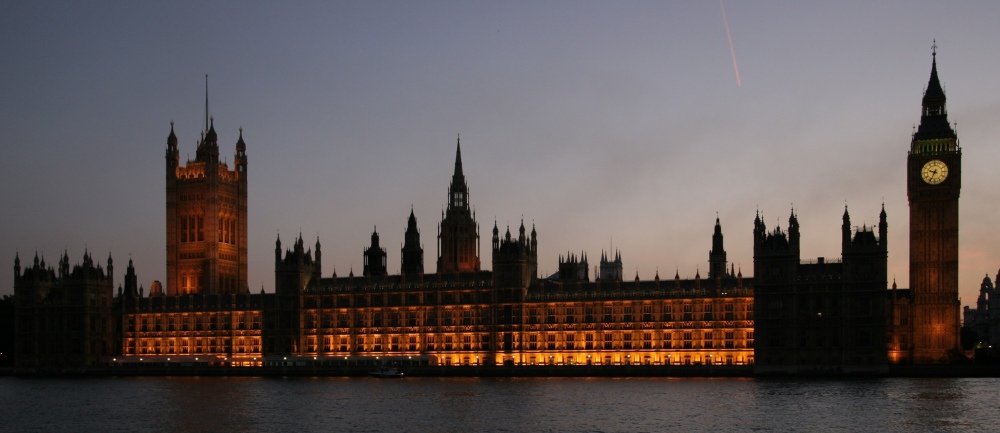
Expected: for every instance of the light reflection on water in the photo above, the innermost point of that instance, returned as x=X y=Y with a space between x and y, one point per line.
x=469 y=404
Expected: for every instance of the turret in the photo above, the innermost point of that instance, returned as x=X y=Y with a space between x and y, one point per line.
x=277 y=250
x=412 y=253
x=793 y=232
x=131 y=281
x=375 y=258
x=845 y=231
x=240 y=161
x=318 y=270
x=496 y=236
x=883 y=230
x=717 y=256
x=173 y=155
x=111 y=271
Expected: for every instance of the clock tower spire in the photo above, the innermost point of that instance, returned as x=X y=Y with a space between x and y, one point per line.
x=934 y=180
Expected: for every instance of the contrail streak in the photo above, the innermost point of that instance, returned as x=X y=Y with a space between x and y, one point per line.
x=732 y=50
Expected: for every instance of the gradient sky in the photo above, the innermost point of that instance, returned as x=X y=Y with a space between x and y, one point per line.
x=603 y=123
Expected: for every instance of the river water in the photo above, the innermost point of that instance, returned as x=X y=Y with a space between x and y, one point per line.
x=209 y=404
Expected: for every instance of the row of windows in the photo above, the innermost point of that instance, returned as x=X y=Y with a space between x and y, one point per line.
x=207 y=322
x=192 y=229
x=549 y=341
x=396 y=299
x=191 y=346
x=666 y=313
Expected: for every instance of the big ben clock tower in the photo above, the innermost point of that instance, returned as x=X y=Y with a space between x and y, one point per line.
x=933 y=183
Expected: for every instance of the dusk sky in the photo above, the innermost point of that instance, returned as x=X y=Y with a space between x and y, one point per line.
x=624 y=125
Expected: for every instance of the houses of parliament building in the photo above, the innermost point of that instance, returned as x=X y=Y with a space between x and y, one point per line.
x=792 y=315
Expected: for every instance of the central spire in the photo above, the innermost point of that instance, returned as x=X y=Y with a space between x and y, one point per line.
x=458 y=191
x=458 y=162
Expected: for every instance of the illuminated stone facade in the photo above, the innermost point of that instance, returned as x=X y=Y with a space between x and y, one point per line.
x=206 y=219
x=212 y=329
x=469 y=318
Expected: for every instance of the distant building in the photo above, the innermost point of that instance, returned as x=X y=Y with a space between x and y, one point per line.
x=984 y=320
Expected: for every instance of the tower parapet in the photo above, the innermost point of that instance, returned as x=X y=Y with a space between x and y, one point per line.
x=611 y=270
x=295 y=272
x=515 y=260
x=573 y=268
x=375 y=258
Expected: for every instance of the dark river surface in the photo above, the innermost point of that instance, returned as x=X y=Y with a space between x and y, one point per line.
x=209 y=404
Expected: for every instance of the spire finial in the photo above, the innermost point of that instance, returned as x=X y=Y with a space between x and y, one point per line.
x=206 y=102
x=934 y=48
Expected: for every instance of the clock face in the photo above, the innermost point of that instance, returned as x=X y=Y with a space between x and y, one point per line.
x=934 y=172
